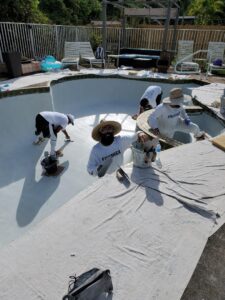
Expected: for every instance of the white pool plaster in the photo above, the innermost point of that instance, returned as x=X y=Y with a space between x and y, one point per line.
x=26 y=196
x=52 y=227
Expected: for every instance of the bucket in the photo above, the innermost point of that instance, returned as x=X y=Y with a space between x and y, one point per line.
x=139 y=156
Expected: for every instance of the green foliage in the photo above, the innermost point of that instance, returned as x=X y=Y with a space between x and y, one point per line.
x=95 y=40
x=21 y=11
x=71 y=12
x=57 y=11
x=88 y=9
x=207 y=10
x=184 y=4
x=67 y=12
x=81 y=12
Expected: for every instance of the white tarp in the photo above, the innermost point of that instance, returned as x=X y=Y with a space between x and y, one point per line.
x=209 y=95
x=141 y=232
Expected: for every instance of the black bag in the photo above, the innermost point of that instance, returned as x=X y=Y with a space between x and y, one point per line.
x=89 y=285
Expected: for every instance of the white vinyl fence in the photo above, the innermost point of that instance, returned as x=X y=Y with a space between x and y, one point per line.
x=38 y=40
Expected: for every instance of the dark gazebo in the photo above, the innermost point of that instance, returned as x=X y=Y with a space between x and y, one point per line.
x=161 y=11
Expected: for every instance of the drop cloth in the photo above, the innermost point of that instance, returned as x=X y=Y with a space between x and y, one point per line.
x=150 y=234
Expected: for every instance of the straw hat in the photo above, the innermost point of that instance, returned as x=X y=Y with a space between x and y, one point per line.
x=96 y=131
x=176 y=97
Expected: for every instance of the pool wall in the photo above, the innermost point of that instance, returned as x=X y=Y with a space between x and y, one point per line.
x=17 y=115
x=95 y=95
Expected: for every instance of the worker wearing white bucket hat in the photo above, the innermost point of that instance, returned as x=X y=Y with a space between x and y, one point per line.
x=48 y=124
x=170 y=116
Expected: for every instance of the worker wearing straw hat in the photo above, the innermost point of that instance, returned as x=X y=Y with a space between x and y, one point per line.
x=107 y=154
x=170 y=116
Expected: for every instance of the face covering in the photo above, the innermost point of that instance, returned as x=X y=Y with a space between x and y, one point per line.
x=107 y=139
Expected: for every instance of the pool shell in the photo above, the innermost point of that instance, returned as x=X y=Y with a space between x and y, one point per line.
x=30 y=196
x=26 y=196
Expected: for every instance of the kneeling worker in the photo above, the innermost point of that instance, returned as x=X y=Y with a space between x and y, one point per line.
x=48 y=124
x=107 y=154
x=170 y=116
x=150 y=99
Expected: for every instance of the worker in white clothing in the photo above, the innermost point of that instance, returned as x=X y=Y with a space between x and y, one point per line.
x=170 y=116
x=150 y=99
x=153 y=94
x=107 y=154
x=48 y=124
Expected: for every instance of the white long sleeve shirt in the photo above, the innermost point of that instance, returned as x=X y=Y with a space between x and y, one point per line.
x=166 y=118
x=54 y=119
x=151 y=93
x=100 y=153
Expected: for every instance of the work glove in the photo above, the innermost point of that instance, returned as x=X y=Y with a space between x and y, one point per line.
x=68 y=139
x=102 y=169
x=187 y=122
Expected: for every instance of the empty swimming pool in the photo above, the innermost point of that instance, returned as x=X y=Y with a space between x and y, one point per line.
x=26 y=197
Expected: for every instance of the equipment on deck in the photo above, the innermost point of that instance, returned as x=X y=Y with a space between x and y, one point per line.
x=89 y=285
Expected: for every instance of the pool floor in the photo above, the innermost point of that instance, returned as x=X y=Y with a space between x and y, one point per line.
x=26 y=195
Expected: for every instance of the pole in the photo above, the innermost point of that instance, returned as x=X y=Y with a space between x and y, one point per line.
x=1 y=58
x=57 y=42
x=167 y=23
x=124 y=31
x=104 y=32
x=31 y=39
x=175 y=32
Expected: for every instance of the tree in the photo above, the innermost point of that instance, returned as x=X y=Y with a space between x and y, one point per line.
x=184 y=4
x=26 y=11
x=70 y=11
x=207 y=10
x=88 y=9
x=57 y=11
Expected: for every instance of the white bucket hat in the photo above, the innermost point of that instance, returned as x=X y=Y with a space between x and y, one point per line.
x=176 y=97
x=71 y=118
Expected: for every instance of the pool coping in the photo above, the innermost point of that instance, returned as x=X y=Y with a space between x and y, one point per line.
x=44 y=89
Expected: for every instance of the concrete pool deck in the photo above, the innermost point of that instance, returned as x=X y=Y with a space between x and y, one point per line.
x=28 y=199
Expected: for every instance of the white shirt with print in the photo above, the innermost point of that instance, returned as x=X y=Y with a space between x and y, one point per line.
x=166 y=118
x=116 y=150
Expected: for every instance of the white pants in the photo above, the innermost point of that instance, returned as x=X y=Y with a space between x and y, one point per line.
x=181 y=126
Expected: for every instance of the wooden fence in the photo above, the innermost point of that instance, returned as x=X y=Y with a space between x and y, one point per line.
x=38 y=40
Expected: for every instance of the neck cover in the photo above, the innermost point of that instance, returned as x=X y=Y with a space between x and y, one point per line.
x=107 y=139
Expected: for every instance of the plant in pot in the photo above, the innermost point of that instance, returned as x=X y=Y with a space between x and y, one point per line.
x=96 y=40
